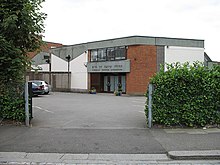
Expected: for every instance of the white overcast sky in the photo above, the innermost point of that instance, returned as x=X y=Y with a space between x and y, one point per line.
x=78 y=21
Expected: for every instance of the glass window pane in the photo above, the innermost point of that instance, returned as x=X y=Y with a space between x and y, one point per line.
x=101 y=54
x=120 y=53
x=94 y=55
x=110 y=54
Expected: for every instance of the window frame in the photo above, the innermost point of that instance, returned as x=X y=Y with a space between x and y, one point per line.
x=108 y=54
x=92 y=57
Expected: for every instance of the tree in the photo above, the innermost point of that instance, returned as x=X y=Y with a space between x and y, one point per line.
x=21 y=23
x=21 y=26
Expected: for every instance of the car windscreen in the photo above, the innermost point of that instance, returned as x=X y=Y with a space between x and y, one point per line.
x=38 y=82
x=34 y=85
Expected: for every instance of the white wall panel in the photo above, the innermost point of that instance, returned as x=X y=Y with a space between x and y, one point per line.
x=45 y=67
x=175 y=54
x=58 y=64
x=79 y=75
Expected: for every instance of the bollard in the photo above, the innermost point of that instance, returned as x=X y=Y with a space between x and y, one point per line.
x=26 y=105
x=150 y=90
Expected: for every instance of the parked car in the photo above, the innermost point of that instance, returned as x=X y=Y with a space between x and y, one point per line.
x=37 y=90
x=43 y=84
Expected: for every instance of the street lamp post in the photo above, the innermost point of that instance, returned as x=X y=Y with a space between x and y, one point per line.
x=50 y=82
x=48 y=60
x=68 y=60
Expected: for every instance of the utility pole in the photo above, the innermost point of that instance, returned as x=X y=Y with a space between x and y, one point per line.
x=50 y=67
x=48 y=60
x=68 y=60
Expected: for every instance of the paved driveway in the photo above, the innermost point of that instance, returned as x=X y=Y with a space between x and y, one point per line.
x=73 y=110
x=101 y=123
x=83 y=123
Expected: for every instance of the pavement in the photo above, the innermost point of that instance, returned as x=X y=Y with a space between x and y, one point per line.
x=22 y=158
x=102 y=134
x=73 y=146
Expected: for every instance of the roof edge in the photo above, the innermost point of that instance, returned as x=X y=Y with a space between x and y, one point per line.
x=134 y=36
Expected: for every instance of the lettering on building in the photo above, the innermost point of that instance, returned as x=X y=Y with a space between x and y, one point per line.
x=122 y=66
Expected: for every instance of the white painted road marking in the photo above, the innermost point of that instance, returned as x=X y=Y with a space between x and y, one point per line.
x=43 y=109
x=142 y=106
x=138 y=101
x=37 y=107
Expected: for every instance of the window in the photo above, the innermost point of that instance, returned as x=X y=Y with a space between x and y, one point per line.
x=110 y=54
x=101 y=54
x=94 y=55
x=120 y=53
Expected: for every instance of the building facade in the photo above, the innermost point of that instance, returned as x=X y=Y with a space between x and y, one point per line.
x=132 y=61
x=128 y=62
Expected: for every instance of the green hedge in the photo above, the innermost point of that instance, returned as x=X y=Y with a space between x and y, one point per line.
x=186 y=95
x=12 y=103
x=12 y=109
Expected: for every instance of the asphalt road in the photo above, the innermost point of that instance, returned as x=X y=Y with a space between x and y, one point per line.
x=101 y=123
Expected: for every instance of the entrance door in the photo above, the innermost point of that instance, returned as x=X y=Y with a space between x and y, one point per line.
x=105 y=83
x=123 y=83
x=116 y=82
x=111 y=83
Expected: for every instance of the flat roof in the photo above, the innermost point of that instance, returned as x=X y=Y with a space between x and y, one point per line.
x=143 y=37
x=77 y=49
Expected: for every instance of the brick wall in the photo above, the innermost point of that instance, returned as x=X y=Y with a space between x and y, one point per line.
x=143 y=66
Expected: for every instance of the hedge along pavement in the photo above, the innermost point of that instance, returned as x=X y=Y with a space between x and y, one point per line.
x=186 y=95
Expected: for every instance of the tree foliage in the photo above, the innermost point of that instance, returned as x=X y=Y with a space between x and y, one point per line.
x=21 y=23
x=186 y=95
x=21 y=26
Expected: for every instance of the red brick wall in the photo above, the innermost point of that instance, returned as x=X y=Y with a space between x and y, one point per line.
x=143 y=66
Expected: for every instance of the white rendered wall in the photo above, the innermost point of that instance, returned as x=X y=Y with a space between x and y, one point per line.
x=79 y=75
x=44 y=67
x=175 y=54
x=57 y=65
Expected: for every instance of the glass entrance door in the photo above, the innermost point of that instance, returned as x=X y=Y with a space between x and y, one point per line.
x=111 y=83
x=123 y=83
x=105 y=83
x=116 y=83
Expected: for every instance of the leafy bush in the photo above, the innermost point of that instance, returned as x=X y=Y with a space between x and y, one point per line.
x=186 y=95
x=12 y=109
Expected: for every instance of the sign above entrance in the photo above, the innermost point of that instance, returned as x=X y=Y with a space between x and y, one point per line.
x=109 y=66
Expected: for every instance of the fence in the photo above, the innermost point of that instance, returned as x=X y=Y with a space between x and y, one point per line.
x=59 y=81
